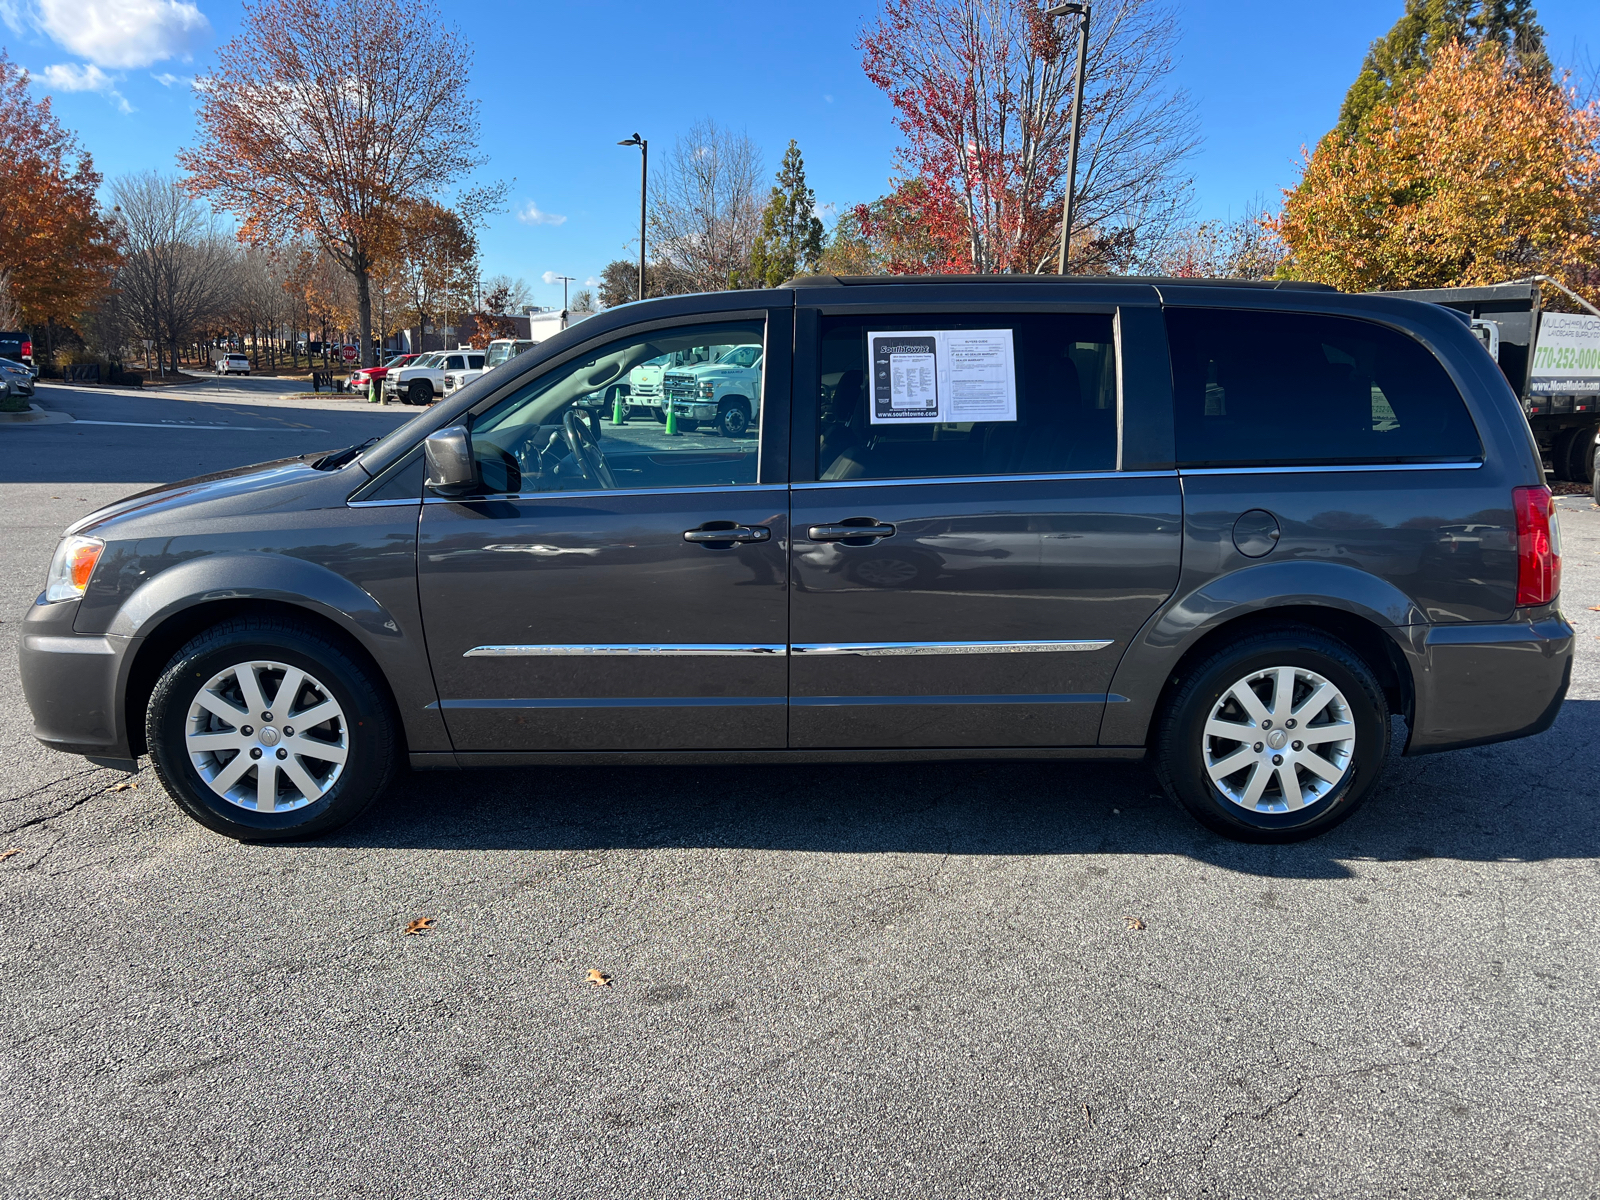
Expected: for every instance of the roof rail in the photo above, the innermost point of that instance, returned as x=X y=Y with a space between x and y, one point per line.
x=811 y=281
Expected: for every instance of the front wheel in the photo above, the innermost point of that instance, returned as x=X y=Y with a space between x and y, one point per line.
x=265 y=730
x=419 y=392
x=1276 y=737
x=733 y=418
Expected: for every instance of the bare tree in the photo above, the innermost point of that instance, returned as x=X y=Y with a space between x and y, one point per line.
x=704 y=210
x=503 y=294
x=177 y=264
x=1245 y=248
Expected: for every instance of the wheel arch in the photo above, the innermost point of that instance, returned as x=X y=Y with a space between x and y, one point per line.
x=166 y=636
x=1367 y=613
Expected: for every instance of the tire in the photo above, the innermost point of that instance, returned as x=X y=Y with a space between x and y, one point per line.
x=1186 y=756
x=1578 y=462
x=733 y=418
x=192 y=740
x=660 y=415
x=419 y=392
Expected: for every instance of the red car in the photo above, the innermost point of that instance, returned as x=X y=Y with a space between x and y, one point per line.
x=363 y=379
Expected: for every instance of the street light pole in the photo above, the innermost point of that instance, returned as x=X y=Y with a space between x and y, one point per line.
x=565 y=279
x=644 y=176
x=1070 y=201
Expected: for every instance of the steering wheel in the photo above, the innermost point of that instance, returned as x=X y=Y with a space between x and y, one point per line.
x=585 y=449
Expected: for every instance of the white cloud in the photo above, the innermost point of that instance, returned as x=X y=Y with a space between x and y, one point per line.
x=531 y=214
x=124 y=33
x=167 y=79
x=75 y=77
x=591 y=282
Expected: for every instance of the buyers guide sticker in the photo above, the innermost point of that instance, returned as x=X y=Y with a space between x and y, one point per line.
x=945 y=376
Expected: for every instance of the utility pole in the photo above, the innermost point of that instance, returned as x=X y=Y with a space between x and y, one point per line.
x=644 y=177
x=565 y=279
x=1070 y=200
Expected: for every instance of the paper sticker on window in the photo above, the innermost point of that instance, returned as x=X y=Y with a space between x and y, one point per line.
x=943 y=376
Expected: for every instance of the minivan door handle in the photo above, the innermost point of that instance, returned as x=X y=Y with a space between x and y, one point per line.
x=719 y=534
x=857 y=531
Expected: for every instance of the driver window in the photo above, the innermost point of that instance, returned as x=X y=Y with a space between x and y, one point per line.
x=676 y=407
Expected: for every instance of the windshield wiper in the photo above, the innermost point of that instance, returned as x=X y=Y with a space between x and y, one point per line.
x=335 y=459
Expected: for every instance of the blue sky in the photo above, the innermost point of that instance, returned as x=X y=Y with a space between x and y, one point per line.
x=561 y=83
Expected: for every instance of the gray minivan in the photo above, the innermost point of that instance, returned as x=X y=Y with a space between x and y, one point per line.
x=1231 y=530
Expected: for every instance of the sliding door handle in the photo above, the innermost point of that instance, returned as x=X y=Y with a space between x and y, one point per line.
x=718 y=534
x=858 y=531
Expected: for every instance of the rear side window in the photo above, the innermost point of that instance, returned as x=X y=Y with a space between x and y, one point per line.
x=1286 y=389
x=455 y=363
x=926 y=396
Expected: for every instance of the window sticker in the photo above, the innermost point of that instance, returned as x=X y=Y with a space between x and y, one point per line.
x=943 y=376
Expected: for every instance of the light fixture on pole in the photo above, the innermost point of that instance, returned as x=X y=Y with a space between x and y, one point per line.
x=1081 y=11
x=644 y=175
x=565 y=279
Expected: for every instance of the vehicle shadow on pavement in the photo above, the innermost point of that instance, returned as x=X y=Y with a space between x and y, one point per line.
x=1518 y=801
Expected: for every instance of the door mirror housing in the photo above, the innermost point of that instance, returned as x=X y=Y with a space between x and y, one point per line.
x=452 y=471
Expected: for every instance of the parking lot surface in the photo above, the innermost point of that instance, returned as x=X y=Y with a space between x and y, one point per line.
x=942 y=980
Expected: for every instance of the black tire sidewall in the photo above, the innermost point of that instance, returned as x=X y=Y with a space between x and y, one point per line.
x=369 y=734
x=1181 y=766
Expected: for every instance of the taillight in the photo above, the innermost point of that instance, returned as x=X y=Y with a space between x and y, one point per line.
x=27 y=349
x=1538 y=547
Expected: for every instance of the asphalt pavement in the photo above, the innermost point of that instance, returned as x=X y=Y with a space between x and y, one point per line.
x=947 y=980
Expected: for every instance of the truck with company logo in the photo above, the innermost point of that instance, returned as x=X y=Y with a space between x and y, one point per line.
x=1551 y=359
x=725 y=391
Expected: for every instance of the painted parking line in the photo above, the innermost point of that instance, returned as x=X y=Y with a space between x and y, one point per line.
x=231 y=428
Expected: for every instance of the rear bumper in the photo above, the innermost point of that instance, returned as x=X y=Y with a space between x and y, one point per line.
x=1477 y=684
x=74 y=684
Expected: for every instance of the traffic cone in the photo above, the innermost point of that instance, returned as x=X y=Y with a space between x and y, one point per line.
x=619 y=411
x=672 y=421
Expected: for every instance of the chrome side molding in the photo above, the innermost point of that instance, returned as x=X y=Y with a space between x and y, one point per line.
x=881 y=648
x=624 y=648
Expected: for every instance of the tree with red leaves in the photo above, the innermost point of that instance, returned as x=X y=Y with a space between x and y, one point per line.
x=57 y=246
x=982 y=91
x=324 y=134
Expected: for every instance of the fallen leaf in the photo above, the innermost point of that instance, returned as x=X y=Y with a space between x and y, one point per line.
x=1086 y=1121
x=420 y=925
x=1134 y=922
x=125 y=785
x=1594 y=608
x=9 y=853
x=598 y=978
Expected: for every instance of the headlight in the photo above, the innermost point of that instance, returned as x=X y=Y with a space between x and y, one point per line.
x=71 y=567
x=707 y=390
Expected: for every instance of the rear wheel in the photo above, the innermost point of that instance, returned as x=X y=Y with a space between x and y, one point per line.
x=1578 y=461
x=265 y=730
x=660 y=415
x=1277 y=737
x=419 y=392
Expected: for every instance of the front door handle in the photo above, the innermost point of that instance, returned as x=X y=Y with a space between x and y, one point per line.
x=718 y=534
x=857 y=531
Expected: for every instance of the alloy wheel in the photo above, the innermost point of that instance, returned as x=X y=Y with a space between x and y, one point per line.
x=1278 y=740
x=267 y=736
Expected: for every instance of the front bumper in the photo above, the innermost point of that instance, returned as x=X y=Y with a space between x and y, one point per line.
x=74 y=684
x=695 y=411
x=1477 y=684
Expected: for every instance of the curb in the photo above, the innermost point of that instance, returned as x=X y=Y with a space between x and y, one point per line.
x=35 y=416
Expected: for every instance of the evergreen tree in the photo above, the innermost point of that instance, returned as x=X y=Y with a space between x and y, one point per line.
x=1406 y=53
x=790 y=240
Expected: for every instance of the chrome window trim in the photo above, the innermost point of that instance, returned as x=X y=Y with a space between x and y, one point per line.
x=896 y=648
x=589 y=494
x=1337 y=467
x=932 y=479
x=383 y=503
x=641 y=649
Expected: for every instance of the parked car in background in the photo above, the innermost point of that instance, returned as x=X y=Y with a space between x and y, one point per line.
x=364 y=379
x=504 y=350
x=232 y=364
x=454 y=381
x=422 y=382
x=18 y=347
x=18 y=377
x=726 y=392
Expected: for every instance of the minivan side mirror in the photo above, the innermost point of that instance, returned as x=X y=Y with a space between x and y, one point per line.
x=452 y=471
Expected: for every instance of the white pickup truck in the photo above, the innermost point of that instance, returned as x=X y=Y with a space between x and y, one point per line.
x=422 y=382
x=726 y=391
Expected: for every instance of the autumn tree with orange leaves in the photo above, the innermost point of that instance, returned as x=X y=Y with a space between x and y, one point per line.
x=57 y=245
x=323 y=116
x=1473 y=175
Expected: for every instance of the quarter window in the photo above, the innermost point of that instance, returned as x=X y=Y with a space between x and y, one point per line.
x=925 y=396
x=1284 y=389
x=556 y=433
